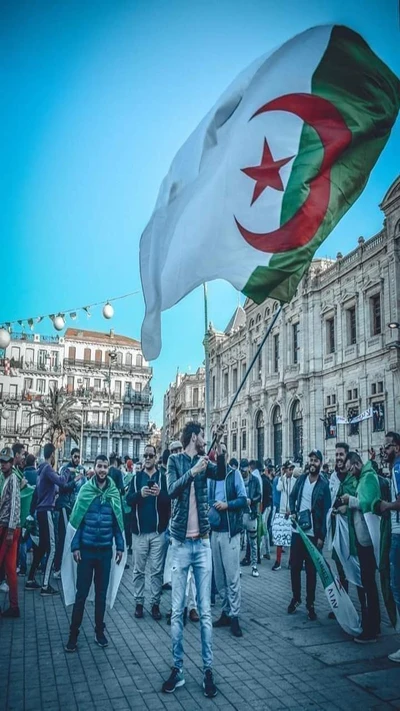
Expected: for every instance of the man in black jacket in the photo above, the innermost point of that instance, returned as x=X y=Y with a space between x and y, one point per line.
x=150 y=503
x=266 y=506
x=187 y=475
x=310 y=502
x=75 y=476
x=253 y=492
x=227 y=501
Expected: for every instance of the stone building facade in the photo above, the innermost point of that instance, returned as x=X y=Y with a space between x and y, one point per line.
x=105 y=372
x=330 y=353
x=183 y=401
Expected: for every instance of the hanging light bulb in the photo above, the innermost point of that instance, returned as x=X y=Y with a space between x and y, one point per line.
x=59 y=322
x=87 y=309
x=5 y=338
x=108 y=311
x=73 y=315
x=30 y=323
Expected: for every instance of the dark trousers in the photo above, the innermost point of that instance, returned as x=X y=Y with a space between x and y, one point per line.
x=298 y=555
x=61 y=529
x=94 y=562
x=371 y=615
x=47 y=545
x=128 y=529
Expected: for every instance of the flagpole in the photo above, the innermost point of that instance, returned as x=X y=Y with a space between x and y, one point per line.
x=248 y=371
x=207 y=368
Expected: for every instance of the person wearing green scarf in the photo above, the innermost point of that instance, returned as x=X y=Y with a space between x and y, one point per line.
x=365 y=539
x=97 y=520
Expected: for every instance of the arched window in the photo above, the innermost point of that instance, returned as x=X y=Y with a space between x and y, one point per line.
x=277 y=430
x=260 y=435
x=87 y=355
x=297 y=432
x=128 y=359
x=139 y=360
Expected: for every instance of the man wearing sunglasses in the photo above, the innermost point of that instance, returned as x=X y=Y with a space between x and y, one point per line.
x=150 y=504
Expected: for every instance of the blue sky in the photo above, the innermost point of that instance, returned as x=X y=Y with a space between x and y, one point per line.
x=97 y=98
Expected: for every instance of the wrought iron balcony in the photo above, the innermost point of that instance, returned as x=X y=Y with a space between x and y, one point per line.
x=73 y=363
x=125 y=428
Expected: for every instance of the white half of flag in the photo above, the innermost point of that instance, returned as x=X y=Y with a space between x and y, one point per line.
x=69 y=570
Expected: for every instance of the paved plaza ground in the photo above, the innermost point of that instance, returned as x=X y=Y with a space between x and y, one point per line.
x=282 y=661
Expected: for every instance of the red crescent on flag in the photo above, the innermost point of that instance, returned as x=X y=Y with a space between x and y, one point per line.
x=335 y=137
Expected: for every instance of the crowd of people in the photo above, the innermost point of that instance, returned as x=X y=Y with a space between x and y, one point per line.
x=186 y=517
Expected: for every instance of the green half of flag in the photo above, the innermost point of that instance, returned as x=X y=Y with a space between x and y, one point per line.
x=366 y=93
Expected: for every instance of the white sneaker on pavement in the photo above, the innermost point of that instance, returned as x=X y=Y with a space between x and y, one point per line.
x=4 y=587
x=395 y=657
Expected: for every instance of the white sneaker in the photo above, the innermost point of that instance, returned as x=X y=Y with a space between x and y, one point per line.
x=57 y=575
x=395 y=657
x=4 y=587
x=255 y=573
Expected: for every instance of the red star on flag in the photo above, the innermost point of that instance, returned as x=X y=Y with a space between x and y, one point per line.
x=267 y=173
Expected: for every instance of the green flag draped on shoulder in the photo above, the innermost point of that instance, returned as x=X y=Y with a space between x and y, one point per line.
x=268 y=173
x=87 y=493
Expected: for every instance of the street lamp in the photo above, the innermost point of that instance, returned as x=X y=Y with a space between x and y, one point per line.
x=394 y=325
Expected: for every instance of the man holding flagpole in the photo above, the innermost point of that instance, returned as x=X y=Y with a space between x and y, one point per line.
x=187 y=475
x=96 y=521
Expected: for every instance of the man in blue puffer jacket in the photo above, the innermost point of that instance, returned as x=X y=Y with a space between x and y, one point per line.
x=97 y=518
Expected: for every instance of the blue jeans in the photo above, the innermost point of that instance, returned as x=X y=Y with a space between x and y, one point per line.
x=395 y=568
x=195 y=553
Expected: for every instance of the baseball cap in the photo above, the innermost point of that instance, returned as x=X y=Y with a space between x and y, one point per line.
x=316 y=453
x=6 y=454
x=176 y=444
x=244 y=463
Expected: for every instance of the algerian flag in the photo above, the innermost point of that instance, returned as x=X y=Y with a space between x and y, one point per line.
x=268 y=172
x=345 y=612
x=86 y=495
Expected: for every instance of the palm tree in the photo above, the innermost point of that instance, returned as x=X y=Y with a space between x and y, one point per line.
x=59 y=418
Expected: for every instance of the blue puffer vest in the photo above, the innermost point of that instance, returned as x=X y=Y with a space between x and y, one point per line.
x=98 y=528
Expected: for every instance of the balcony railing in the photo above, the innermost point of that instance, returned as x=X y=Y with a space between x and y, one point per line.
x=133 y=398
x=31 y=338
x=72 y=363
x=6 y=396
x=129 y=429
x=31 y=366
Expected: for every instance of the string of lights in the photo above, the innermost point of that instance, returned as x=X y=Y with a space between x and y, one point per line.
x=59 y=319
